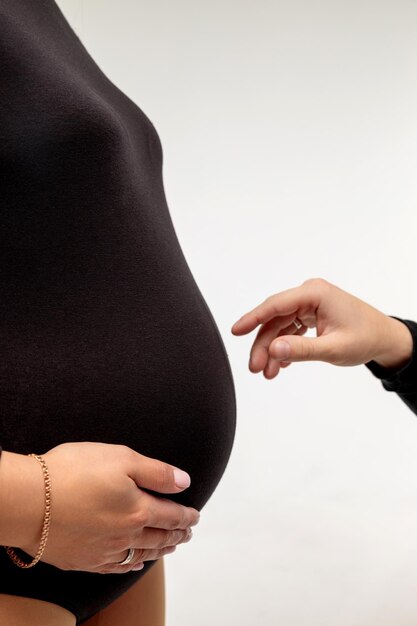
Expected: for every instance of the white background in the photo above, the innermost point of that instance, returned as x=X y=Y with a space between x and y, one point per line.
x=290 y=151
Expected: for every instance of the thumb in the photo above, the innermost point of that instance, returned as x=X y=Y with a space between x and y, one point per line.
x=293 y=348
x=158 y=476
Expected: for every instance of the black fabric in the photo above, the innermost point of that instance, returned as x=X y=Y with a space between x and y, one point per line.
x=402 y=380
x=104 y=334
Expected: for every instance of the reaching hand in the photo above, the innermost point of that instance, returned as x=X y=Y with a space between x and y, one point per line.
x=349 y=331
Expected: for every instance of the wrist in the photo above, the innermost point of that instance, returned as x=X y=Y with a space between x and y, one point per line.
x=21 y=501
x=398 y=345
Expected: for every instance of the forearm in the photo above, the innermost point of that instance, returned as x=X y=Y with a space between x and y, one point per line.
x=21 y=500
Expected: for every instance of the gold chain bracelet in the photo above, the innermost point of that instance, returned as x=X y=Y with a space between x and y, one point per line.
x=46 y=521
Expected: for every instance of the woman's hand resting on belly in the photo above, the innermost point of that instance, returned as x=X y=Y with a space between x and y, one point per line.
x=98 y=509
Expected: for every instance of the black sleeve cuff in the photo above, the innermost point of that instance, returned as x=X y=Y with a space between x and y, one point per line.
x=405 y=378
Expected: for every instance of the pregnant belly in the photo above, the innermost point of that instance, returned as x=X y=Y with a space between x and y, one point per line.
x=147 y=372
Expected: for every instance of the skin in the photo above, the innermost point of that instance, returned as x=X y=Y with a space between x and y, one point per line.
x=99 y=510
x=141 y=605
x=348 y=330
x=108 y=513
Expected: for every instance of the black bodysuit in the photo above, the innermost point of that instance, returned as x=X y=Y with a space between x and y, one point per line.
x=104 y=334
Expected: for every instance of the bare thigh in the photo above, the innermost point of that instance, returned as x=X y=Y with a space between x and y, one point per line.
x=142 y=605
x=19 y=611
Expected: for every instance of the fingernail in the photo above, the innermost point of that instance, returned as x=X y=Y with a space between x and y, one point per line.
x=238 y=321
x=138 y=567
x=182 y=479
x=281 y=350
x=196 y=520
